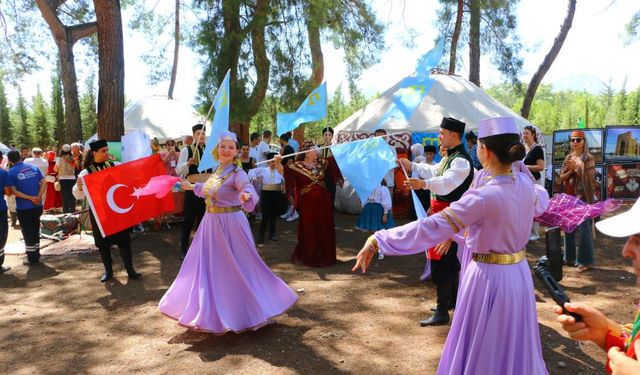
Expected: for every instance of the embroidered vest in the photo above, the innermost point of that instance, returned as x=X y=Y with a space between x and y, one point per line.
x=452 y=154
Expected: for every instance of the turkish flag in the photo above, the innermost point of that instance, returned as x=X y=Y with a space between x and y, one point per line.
x=109 y=193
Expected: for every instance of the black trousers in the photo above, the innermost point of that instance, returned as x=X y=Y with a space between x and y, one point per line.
x=445 y=273
x=194 y=208
x=4 y=233
x=68 y=200
x=424 y=198
x=271 y=204
x=30 y=226
x=120 y=239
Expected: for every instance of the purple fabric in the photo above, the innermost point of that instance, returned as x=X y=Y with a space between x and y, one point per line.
x=223 y=284
x=494 y=328
x=497 y=126
x=568 y=212
x=228 y=195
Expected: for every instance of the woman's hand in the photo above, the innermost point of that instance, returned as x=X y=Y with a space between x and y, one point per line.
x=244 y=197
x=384 y=218
x=415 y=184
x=364 y=257
x=620 y=364
x=443 y=247
x=593 y=327
x=186 y=185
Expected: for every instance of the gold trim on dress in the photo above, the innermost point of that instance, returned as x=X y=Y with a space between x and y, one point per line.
x=272 y=187
x=222 y=210
x=504 y=259
x=450 y=221
x=456 y=218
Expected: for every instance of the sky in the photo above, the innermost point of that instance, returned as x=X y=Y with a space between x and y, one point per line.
x=593 y=53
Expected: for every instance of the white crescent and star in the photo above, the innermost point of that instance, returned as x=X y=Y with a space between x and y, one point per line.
x=111 y=202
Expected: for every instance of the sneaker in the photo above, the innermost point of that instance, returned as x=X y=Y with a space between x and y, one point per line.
x=380 y=256
x=138 y=229
x=286 y=215
x=293 y=217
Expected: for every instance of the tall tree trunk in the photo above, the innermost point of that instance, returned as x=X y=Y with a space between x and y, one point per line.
x=176 y=50
x=317 y=67
x=111 y=73
x=65 y=38
x=455 y=37
x=474 y=42
x=548 y=60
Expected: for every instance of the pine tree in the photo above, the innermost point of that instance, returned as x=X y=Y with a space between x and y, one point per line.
x=57 y=110
x=88 y=116
x=21 y=131
x=5 y=121
x=39 y=121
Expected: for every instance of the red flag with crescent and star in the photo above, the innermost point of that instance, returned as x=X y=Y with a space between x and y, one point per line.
x=110 y=193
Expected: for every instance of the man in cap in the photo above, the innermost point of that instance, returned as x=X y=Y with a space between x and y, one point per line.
x=622 y=343
x=188 y=163
x=472 y=146
x=28 y=185
x=447 y=181
x=97 y=160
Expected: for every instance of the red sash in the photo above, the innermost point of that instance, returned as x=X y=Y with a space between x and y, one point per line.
x=436 y=206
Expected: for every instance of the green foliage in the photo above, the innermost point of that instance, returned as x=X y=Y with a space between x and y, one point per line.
x=632 y=28
x=552 y=110
x=88 y=108
x=57 y=109
x=39 y=122
x=21 y=136
x=5 y=121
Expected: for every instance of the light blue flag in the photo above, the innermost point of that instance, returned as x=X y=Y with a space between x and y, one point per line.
x=219 y=124
x=420 y=212
x=430 y=59
x=314 y=108
x=413 y=89
x=364 y=163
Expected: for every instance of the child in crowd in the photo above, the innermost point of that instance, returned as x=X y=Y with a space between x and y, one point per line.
x=273 y=202
x=376 y=214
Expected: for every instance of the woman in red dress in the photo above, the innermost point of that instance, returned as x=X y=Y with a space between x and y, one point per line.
x=316 y=229
x=53 y=199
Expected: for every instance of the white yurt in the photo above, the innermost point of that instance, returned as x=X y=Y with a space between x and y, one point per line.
x=160 y=117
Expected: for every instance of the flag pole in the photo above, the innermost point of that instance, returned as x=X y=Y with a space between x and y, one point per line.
x=324 y=147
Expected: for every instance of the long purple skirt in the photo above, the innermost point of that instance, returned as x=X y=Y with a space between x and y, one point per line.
x=495 y=324
x=223 y=284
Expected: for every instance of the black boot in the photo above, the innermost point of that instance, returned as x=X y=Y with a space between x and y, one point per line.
x=127 y=258
x=440 y=317
x=105 y=254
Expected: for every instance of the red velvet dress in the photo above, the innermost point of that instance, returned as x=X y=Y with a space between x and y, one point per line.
x=53 y=198
x=316 y=228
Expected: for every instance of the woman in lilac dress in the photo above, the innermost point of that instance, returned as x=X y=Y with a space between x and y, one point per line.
x=223 y=284
x=495 y=327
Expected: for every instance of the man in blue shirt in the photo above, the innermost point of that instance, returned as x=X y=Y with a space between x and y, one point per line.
x=5 y=189
x=28 y=185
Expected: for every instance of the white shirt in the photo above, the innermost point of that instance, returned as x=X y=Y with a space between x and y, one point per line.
x=182 y=168
x=269 y=176
x=79 y=194
x=381 y=195
x=450 y=179
x=263 y=150
x=42 y=164
x=253 y=152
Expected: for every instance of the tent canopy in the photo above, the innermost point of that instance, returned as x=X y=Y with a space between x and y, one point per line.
x=161 y=117
x=450 y=96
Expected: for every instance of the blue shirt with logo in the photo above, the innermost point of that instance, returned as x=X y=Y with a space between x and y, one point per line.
x=26 y=178
x=4 y=182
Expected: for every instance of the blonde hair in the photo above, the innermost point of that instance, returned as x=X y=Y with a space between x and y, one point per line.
x=216 y=154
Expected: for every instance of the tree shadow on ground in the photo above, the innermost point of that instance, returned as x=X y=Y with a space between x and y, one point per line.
x=120 y=294
x=558 y=348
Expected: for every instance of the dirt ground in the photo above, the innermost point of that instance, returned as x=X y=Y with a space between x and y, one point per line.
x=58 y=318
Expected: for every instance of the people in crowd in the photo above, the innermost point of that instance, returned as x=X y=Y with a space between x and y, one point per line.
x=327 y=137
x=472 y=147
x=5 y=189
x=37 y=160
x=254 y=141
x=534 y=160
x=293 y=142
x=223 y=284
x=621 y=342
x=376 y=213
x=96 y=160
x=66 y=169
x=263 y=148
x=76 y=153
x=247 y=161
x=24 y=153
x=187 y=140
x=272 y=199
x=28 y=185
x=417 y=153
x=316 y=228
x=495 y=325
x=447 y=181
x=53 y=198
x=170 y=156
x=188 y=162
x=578 y=176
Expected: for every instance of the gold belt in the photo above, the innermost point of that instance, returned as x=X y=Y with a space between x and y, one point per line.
x=272 y=187
x=499 y=258
x=222 y=210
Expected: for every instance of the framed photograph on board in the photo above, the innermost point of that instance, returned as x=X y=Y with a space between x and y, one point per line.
x=623 y=181
x=562 y=144
x=558 y=186
x=622 y=143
